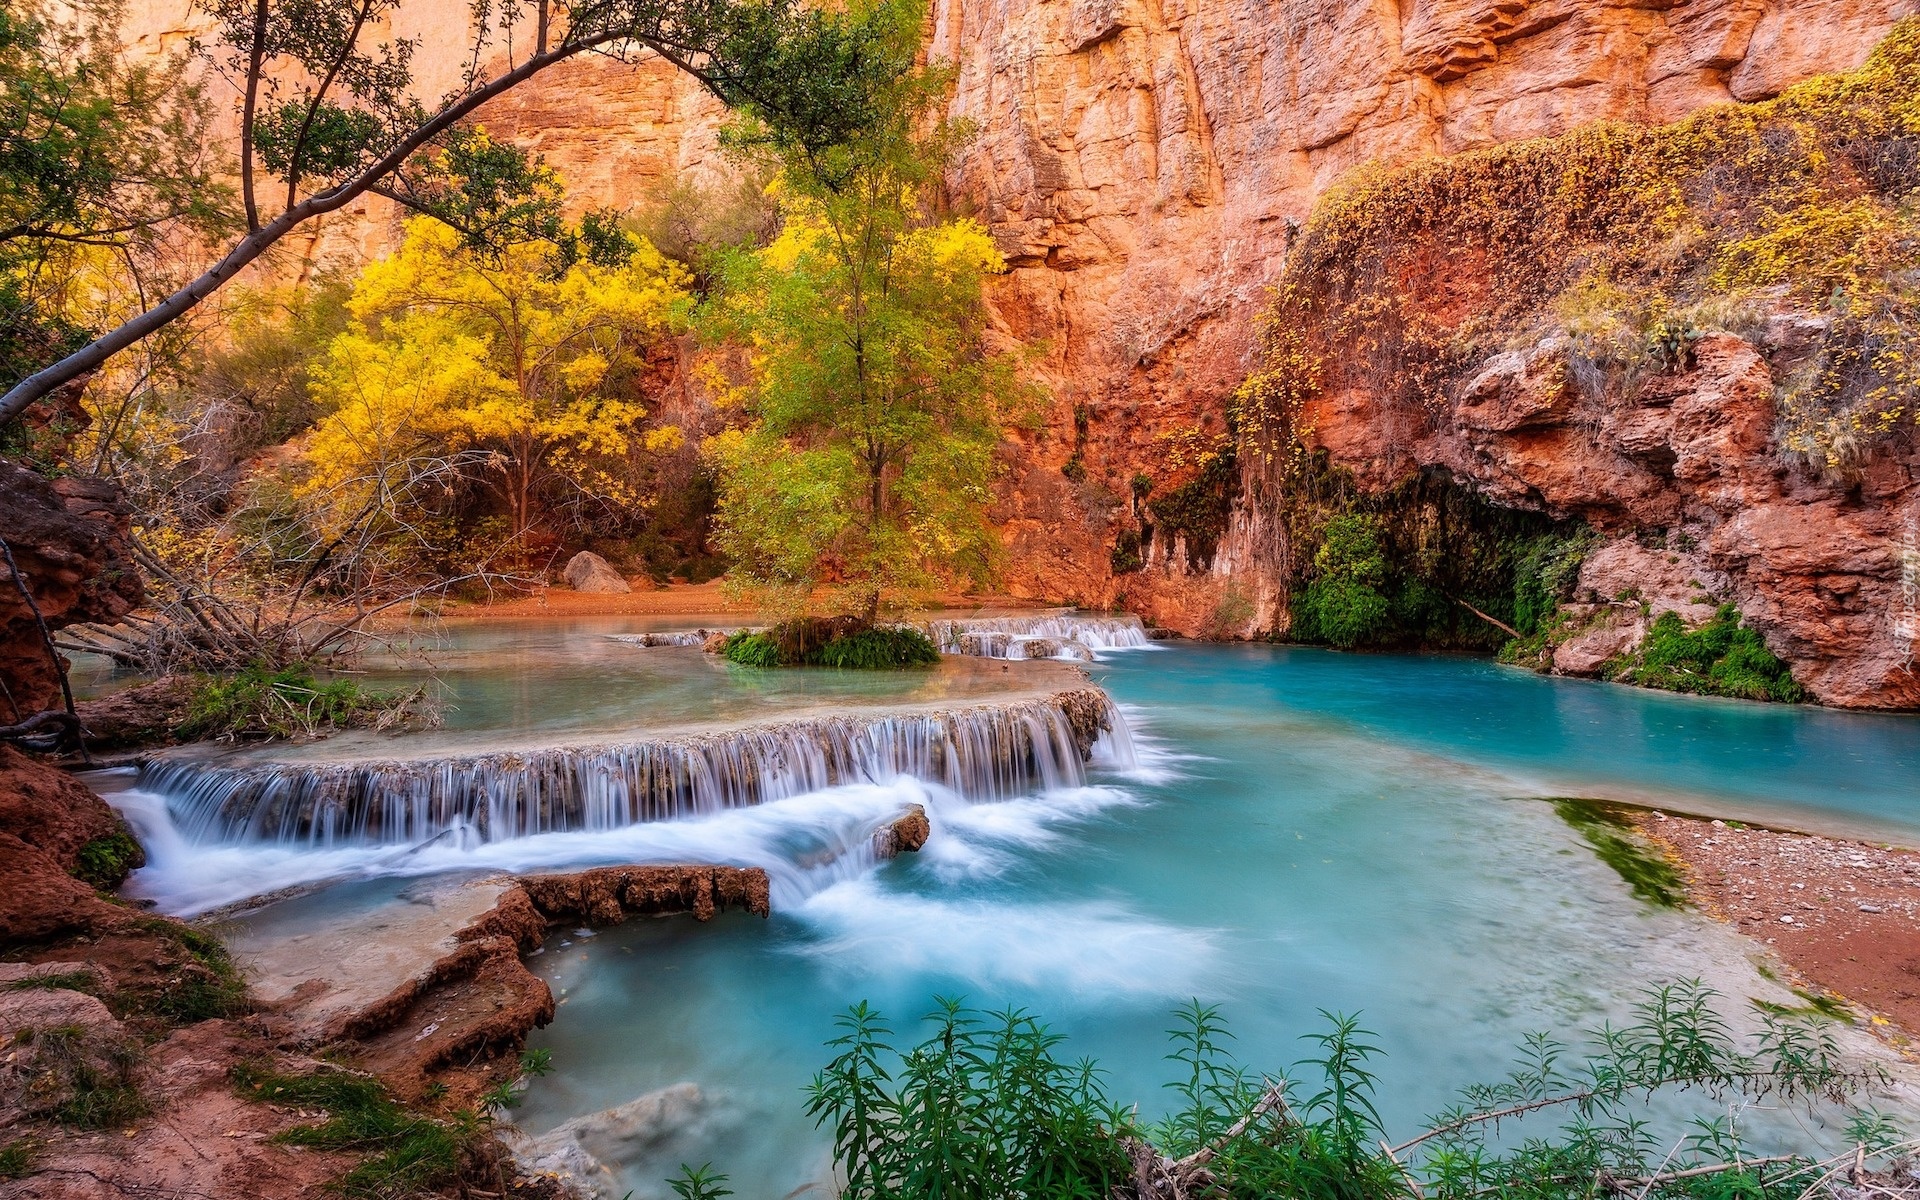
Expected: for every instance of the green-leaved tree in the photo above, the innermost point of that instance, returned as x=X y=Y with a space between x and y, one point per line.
x=860 y=478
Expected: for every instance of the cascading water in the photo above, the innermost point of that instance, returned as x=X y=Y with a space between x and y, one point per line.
x=1053 y=635
x=678 y=637
x=990 y=752
x=1061 y=635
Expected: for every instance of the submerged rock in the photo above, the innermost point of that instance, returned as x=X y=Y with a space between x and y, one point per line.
x=608 y=895
x=584 y=1152
x=588 y=572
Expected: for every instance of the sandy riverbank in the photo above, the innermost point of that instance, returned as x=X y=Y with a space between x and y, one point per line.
x=1843 y=914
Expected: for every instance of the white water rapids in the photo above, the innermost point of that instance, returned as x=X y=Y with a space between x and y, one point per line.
x=802 y=799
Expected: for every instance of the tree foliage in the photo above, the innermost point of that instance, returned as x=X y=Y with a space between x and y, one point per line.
x=95 y=150
x=513 y=368
x=331 y=107
x=872 y=406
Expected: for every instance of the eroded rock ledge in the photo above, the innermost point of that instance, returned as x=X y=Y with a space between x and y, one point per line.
x=433 y=988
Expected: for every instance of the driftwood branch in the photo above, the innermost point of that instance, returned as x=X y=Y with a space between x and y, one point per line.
x=1494 y=621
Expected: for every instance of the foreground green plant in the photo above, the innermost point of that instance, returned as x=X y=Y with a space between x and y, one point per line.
x=984 y=1107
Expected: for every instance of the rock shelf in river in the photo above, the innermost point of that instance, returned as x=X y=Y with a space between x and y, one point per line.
x=982 y=751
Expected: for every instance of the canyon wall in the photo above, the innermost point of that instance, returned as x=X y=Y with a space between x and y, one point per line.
x=1145 y=165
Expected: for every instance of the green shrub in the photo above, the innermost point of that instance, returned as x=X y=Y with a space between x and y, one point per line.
x=105 y=861
x=1544 y=576
x=1343 y=605
x=1426 y=564
x=1125 y=557
x=753 y=650
x=265 y=702
x=1721 y=658
x=877 y=649
x=980 y=1108
x=873 y=648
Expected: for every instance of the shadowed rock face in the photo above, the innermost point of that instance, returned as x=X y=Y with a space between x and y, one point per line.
x=1814 y=563
x=46 y=818
x=69 y=539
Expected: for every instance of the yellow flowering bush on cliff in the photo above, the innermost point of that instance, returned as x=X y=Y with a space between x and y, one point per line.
x=1633 y=239
x=518 y=369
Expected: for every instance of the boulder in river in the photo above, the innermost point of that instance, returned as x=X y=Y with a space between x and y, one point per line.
x=582 y=1153
x=905 y=835
x=588 y=572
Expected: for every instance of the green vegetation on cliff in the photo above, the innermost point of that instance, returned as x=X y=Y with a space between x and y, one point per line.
x=1632 y=240
x=1427 y=564
x=1721 y=658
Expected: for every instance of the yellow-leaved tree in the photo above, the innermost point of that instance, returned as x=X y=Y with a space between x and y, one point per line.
x=520 y=369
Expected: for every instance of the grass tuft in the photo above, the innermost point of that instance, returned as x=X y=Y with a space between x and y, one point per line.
x=81 y=1078
x=207 y=987
x=16 y=1159
x=406 y=1153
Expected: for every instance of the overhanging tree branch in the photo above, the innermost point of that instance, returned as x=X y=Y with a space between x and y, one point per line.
x=810 y=76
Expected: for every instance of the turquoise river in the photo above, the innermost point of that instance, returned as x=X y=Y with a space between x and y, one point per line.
x=1296 y=830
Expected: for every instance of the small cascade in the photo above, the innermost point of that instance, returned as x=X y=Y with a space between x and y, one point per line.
x=989 y=752
x=1052 y=635
x=679 y=637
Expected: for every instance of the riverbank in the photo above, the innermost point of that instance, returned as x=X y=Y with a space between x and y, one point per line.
x=140 y=1055
x=1845 y=915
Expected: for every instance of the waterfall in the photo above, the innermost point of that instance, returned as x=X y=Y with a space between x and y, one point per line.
x=1046 y=635
x=1049 y=635
x=988 y=752
x=683 y=637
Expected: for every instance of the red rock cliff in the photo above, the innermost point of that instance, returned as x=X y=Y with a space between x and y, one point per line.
x=1144 y=165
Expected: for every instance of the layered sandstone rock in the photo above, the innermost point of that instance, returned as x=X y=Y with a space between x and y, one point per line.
x=1142 y=163
x=69 y=540
x=46 y=819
